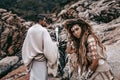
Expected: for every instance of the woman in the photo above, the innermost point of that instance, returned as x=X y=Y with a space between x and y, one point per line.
x=91 y=61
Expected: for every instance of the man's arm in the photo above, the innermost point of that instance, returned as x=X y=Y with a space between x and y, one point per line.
x=50 y=49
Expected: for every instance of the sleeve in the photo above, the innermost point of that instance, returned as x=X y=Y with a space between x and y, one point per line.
x=50 y=49
x=92 y=47
x=27 y=55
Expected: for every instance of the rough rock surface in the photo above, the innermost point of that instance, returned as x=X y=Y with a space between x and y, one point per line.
x=6 y=64
x=104 y=16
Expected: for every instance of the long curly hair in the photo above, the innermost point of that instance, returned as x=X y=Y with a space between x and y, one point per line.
x=81 y=44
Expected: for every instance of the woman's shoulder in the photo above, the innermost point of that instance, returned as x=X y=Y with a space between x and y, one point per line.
x=90 y=38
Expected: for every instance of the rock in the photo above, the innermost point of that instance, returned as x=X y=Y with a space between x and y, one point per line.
x=3 y=10
x=113 y=54
x=6 y=64
x=19 y=74
x=12 y=32
x=110 y=36
x=99 y=11
x=9 y=60
x=4 y=69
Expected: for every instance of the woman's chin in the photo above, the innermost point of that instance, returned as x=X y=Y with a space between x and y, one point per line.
x=77 y=37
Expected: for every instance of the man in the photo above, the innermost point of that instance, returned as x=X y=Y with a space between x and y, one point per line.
x=38 y=51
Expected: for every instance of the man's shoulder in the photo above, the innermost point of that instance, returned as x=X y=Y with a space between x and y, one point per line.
x=37 y=28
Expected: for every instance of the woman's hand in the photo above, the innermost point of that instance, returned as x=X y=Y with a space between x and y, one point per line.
x=70 y=48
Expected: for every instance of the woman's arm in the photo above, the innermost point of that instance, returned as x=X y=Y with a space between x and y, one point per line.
x=92 y=46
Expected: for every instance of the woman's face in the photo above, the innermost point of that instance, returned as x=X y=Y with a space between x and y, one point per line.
x=76 y=31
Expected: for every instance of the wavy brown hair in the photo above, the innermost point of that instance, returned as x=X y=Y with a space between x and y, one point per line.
x=81 y=43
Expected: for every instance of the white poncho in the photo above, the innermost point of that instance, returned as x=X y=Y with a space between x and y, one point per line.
x=38 y=41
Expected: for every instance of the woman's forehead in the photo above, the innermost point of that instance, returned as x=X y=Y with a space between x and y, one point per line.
x=75 y=26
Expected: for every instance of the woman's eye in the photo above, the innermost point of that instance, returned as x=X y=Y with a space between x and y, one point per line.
x=76 y=29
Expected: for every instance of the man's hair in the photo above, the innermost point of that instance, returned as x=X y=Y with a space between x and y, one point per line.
x=40 y=17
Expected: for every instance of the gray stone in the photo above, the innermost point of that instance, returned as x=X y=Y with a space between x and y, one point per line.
x=6 y=64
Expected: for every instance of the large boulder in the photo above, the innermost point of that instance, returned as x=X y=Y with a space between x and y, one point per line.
x=6 y=64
